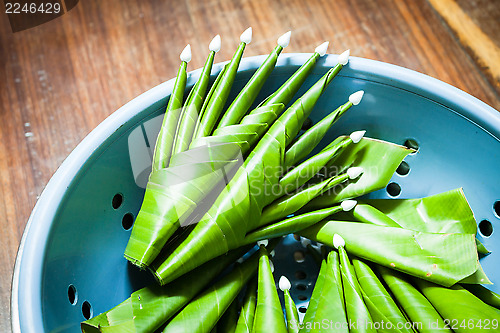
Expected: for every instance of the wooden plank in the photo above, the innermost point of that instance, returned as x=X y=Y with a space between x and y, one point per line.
x=61 y=79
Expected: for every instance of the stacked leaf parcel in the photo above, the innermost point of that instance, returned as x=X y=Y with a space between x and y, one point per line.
x=226 y=177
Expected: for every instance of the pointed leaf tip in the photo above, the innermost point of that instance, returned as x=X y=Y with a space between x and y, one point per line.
x=321 y=50
x=343 y=58
x=215 y=44
x=338 y=241
x=347 y=205
x=305 y=241
x=356 y=97
x=284 y=39
x=357 y=136
x=284 y=283
x=186 y=54
x=354 y=172
x=246 y=36
x=263 y=242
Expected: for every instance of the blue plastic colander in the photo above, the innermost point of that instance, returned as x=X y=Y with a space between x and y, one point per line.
x=70 y=262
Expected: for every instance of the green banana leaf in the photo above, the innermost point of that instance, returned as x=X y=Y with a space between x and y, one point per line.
x=227 y=323
x=484 y=294
x=314 y=300
x=289 y=204
x=312 y=137
x=441 y=258
x=419 y=310
x=268 y=312
x=330 y=313
x=461 y=310
x=165 y=140
x=192 y=107
x=203 y=312
x=377 y=299
x=356 y=310
x=149 y=308
x=237 y=209
x=247 y=314
x=379 y=160
x=292 y=315
x=215 y=105
x=173 y=193
x=290 y=225
x=249 y=92
x=306 y=170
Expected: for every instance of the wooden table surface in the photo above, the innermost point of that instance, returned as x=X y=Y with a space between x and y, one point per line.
x=61 y=79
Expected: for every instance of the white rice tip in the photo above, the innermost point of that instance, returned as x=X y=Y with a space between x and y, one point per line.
x=215 y=44
x=354 y=172
x=272 y=266
x=284 y=283
x=356 y=97
x=272 y=253
x=338 y=241
x=357 y=136
x=321 y=50
x=246 y=36
x=347 y=205
x=284 y=39
x=263 y=242
x=186 y=54
x=305 y=241
x=343 y=58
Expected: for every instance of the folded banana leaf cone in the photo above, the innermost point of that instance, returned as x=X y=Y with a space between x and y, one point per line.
x=247 y=313
x=292 y=315
x=268 y=312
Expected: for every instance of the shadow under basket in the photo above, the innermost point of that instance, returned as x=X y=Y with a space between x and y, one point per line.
x=70 y=264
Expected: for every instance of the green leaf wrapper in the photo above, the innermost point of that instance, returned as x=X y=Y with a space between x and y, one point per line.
x=292 y=315
x=149 y=308
x=315 y=254
x=218 y=98
x=268 y=312
x=248 y=94
x=418 y=309
x=227 y=323
x=310 y=139
x=330 y=313
x=379 y=160
x=291 y=203
x=238 y=207
x=379 y=302
x=192 y=107
x=463 y=311
x=173 y=193
x=290 y=225
x=165 y=140
x=203 y=312
x=442 y=258
x=247 y=314
x=314 y=300
x=355 y=307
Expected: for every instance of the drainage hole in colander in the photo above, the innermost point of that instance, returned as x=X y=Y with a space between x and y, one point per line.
x=86 y=310
x=72 y=295
x=302 y=297
x=496 y=208
x=403 y=169
x=412 y=144
x=393 y=189
x=301 y=287
x=302 y=309
x=485 y=228
x=127 y=221
x=299 y=256
x=117 y=200
x=301 y=275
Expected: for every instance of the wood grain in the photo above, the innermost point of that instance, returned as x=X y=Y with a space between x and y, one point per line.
x=61 y=79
